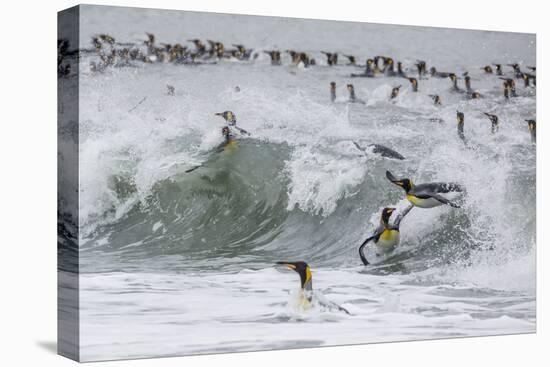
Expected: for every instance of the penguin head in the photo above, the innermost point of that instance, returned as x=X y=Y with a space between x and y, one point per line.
x=405 y=183
x=370 y=61
x=453 y=77
x=228 y=116
x=459 y=117
x=532 y=124
x=493 y=118
x=240 y=48
x=303 y=269
x=350 y=87
x=332 y=85
x=386 y=214
x=476 y=95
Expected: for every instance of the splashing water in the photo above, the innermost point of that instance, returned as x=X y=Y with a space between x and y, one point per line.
x=190 y=254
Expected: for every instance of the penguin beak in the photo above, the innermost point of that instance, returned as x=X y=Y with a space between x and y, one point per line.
x=218 y=114
x=393 y=179
x=288 y=265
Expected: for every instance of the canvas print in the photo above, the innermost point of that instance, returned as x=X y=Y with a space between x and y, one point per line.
x=234 y=183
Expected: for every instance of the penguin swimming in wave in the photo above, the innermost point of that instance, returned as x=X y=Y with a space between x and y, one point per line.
x=494 y=121
x=333 y=91
x=229 y=141
x=426 y=195
x=307 y=297
x=532 y=124
x=436 y=98
x=460 y=125
x=232 y=121
x=352 y=97
x=395 y=92
x=369 y=71
x=414 y=84
x=386 y=236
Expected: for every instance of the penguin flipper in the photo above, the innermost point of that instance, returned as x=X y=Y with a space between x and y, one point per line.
x=375 y=236
x=325 y=302
x=402 y=215
x=193 y=168
x=242 y=131
x=340 y=308
x=441 y=199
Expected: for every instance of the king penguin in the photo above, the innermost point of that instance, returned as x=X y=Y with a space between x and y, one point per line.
x=426 y=195
x=386 y=236
x=307 y=297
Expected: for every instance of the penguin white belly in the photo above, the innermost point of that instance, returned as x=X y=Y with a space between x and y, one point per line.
x=387 y=240
x=424 y=203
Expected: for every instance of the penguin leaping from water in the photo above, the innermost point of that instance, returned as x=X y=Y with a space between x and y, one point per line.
x=307 y=297
x=386 y=236
x=426 y=195
x=231 y=120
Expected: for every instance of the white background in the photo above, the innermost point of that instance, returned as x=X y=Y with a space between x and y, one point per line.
x=28 y=182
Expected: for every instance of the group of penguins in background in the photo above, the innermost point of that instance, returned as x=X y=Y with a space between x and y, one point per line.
x=424 y=195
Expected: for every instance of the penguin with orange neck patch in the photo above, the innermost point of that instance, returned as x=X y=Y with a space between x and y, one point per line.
x=386 y=236
x=426 y=195
x=308 y=298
